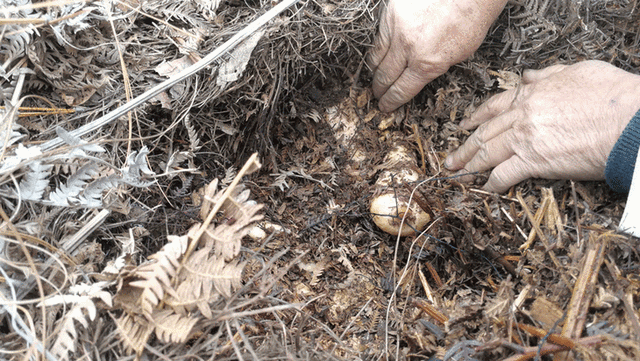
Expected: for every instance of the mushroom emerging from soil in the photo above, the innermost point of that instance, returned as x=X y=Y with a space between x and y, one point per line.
x=390 y=203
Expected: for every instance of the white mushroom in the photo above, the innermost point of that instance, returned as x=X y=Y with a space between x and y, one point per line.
x=390 y=205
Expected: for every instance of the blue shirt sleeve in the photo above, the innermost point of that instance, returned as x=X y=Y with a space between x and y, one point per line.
x=622 y=159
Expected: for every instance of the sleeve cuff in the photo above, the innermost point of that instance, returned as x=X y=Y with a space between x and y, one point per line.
x=622 y=159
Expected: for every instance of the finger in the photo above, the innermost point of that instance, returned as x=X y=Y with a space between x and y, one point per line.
x=531 y=76
x=463 y=176
x=382 y=40
x=410 y=82
x=507 y=174
x=492 y=153
x=389 y=70
x=496 y=105
x=485 y=133
x=381 y=47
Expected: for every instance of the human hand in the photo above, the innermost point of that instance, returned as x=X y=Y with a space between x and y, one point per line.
x=419 y=40
x=560 y=123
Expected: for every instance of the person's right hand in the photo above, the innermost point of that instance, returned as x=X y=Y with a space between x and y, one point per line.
x=419 y=40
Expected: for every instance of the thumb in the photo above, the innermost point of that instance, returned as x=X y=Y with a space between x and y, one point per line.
x=532 y=76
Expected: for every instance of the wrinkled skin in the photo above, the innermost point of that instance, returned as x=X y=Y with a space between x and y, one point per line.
x=419 y=40
x=560 y=123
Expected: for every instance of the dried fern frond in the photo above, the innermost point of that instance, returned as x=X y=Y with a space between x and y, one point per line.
x=86 y=186
x=134 y=331
x=136 y=169
x=81 y=297
x=16 y=38
x=75 y=18
x=175 y=159
x=239 y=214
x=208 y=7
x=33 y=184
x=74 y=186
x=166 y=293
x=91 y=196
x=154 y=277
x=202 y=279
x=194 y=137
x=78 y=143
x=173 y=327
x=179 y=11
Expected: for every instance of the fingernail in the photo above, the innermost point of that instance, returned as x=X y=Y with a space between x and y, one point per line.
x=448 y=162
x=462 y=123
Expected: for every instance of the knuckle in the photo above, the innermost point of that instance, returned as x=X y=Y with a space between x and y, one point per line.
x=483 y=154
x=381 y=82
x=390 y=101
x=523 y=92
x=429 y=68
x=480 y=134
x=499 y=103
x=525 y=128
x=507 y=176
x=492 y=107
x=372 y=60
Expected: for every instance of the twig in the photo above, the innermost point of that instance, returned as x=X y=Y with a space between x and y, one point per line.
x=362 y=309
x=42 y=346
x=584 y=287
x=251 y=165
x=531 y=352
x=430 y=310
x=543 y=237
x=554 y=338
x=480 y=191
x=632 y=314
x=425 y=285
x=537 y=219
x=290 y=306
x=125 y=80
x=624 y=295
x=504 y=211
x=576 y=211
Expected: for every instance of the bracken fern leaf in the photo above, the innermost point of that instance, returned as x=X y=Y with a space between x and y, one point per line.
x=83 y=306
x=173 y=327
x=134 y=331
x=74 y=186
x=35 y=181
x=201 y=282
x=154 y=277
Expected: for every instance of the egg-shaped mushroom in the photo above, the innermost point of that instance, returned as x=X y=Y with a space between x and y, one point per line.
x=393 y=210
x=389 y=211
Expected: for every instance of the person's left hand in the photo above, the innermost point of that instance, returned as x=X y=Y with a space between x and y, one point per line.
x=560 y=123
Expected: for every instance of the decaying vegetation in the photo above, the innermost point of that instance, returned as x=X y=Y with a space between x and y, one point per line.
x=159 y=236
